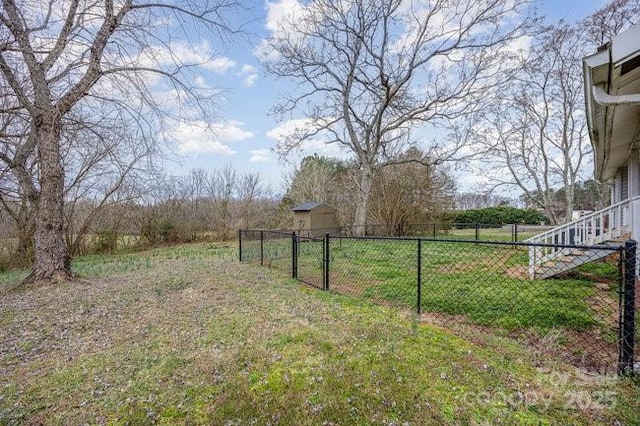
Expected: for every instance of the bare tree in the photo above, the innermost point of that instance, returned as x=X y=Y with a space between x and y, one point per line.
x=534 y=138
x=105 y=163
x=17 y=190
x=370 y=72
x=316 y=179
x=222 y=186
x=156 y=205
x=251 y=192
x=410 y=193
x=66 y=55
x=611 y=19
x=19 y=211
x=194 y=189
x=479 y=200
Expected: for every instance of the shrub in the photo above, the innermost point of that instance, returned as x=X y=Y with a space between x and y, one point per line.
x=149 y=231
x=165 y=229
x=107 y=241
x=498 y=216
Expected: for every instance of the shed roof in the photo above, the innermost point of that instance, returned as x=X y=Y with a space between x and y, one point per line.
x=308 y=206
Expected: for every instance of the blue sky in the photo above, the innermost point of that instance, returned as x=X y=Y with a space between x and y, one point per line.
x=245 y=132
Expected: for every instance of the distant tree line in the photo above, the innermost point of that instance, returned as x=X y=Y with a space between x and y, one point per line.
x=166 y=209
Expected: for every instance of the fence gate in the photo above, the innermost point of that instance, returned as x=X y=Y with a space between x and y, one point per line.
x=310 y=260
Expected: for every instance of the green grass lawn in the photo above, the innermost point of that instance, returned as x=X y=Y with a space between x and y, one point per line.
x=487 y=283
x=187 y=335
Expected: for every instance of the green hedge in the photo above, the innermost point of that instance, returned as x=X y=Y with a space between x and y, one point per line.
x=498 y=216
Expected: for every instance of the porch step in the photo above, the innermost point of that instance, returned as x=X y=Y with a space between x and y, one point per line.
x=568 y=261
x=609 y=226
x=619 y=240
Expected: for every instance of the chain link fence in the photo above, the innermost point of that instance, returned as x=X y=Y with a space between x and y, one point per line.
x=583 y=309
x=273 y=249
x=436 y=230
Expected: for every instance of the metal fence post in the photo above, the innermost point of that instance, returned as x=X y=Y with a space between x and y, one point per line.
x=294 y=256
x=434 y=230
x=628 y=297
x=240 y=245
x=419 y=259
x=325 y=255
x=515 y=232
x=261 y=247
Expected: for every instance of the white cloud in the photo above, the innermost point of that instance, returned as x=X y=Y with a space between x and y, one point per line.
x=250 y=80
x=471 y=180
x=285 y=130
x=183 y=53
x=519 y=46
x=260 y=156
x=248 y=74
x=231 y=131
x=164 y=21
x=247 y=69
x=279 y=12
x=200 y=137
x=201 y=82
x=220 y=64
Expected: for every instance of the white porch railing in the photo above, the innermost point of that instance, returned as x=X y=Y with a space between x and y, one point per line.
x=599 y=227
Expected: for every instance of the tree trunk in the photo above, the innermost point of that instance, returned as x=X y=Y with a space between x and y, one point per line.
x=52 y=263
x=551 y=214
x=24 y=250
x=364 y=194
x=569 y=201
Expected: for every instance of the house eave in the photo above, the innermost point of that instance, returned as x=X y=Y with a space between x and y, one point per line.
x=612 y=101
x=596 y=71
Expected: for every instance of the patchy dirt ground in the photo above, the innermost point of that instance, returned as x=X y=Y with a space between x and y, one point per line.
x=187 y=335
